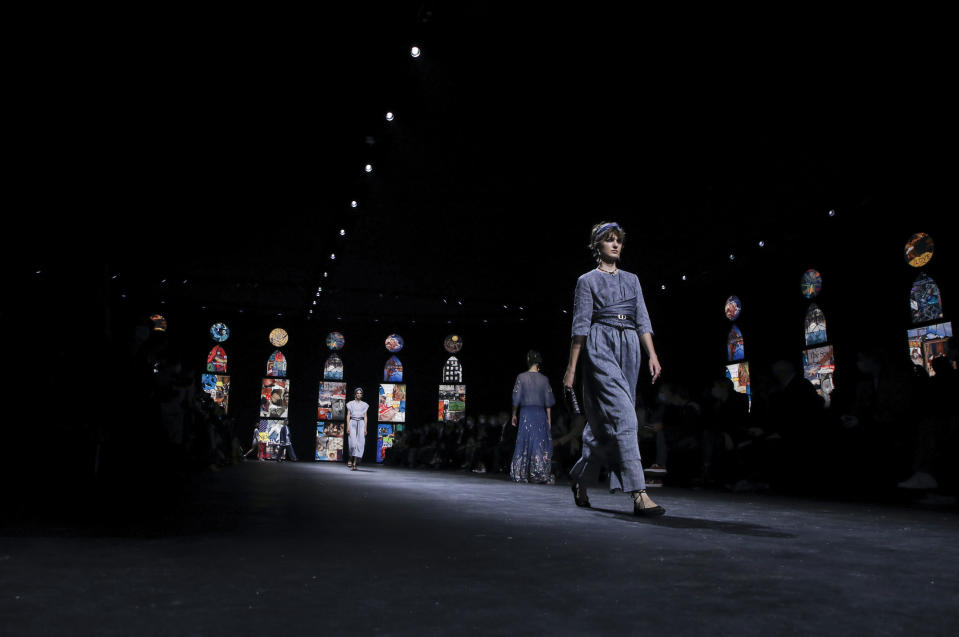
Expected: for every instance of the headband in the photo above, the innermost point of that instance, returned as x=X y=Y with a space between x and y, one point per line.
x=603 y=228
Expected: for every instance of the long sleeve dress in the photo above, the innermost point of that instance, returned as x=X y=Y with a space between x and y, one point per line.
x=609 y=310
x=533 y=453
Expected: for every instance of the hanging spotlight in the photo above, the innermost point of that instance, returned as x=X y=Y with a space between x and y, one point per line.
x=326 y=274
x=415 y=52
x=732 y=257
x=184 y=281
x=664 y=287
x=389 y=116
x=342 y=232
x=368 y=168
x=314 y=302
x=332 y=257
x=113 y=277
x=832 y=213
x=353 y=204
x=684 y=277
x=762 y=244
x=318 y=290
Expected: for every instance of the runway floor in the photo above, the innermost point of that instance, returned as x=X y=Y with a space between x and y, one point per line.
x=306 y=548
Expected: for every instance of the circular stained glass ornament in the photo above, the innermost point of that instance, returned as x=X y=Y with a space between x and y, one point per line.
x=394 y=343
x=453 y=343
x=220 y=332
x=335 y=341
x=919 y=249
x=279 y=337
x=733 y=308
x=159 y=323
x=811 y=283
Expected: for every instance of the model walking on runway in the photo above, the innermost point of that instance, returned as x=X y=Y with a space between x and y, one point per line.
x=610 y=324
x=533 y=399
x=357 y=410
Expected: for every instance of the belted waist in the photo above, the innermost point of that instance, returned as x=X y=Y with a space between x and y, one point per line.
x=605 y=319
x=355 y=418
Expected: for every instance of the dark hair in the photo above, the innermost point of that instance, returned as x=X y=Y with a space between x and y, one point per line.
x=533 y=358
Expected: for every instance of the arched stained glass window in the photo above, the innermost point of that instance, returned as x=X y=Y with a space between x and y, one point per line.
x=216 y=360
x=393 y=371
x=734 y=345
x=452 y=371
x=925 y=300
x=333 y=369
x=276 y=366
x=815 y=324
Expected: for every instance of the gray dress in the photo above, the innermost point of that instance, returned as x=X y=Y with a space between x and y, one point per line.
x=356 y=409
x=605 y=307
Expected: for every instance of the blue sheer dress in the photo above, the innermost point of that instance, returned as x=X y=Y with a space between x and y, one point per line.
x=534 y=444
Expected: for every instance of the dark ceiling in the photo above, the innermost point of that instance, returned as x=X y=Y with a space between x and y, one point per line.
x=210 y=162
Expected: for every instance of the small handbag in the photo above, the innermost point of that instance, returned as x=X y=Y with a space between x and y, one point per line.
x=572 y=403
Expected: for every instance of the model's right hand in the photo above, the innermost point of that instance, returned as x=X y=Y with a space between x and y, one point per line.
x=569 y=378
x=514 y=420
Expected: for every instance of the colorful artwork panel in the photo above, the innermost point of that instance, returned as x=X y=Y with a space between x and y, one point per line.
x=393 y=371
x=815 y=326
x=269 y=438
x=739 y=374
x=453 y=343
x=452 y=403
x=819 y=367
x=919 y=249
x=220 y=332
x=333 y=369
x=335 y=341
x=159 y=323
x=384 y=440
x=453 y=371
x=279 y=337
x=392 y=403
x=329 y=442
x=331 y=404
x=735 y=351
x=276 y=366
x=394 y=343
x=216 y=360
x=218 y=387
x=925 y=300
x=275 y=398
x=928 y=343
x=811 y=284
x=733 y=308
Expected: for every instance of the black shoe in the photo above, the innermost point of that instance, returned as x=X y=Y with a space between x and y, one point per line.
x=646 y=512
x=579 y=495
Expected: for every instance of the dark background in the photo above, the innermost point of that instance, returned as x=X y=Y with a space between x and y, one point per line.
x=201 y=166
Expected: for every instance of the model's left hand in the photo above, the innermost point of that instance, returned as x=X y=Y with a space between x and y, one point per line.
x=655 y=369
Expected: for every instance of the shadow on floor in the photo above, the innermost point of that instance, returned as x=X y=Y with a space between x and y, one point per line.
x=674 y=522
